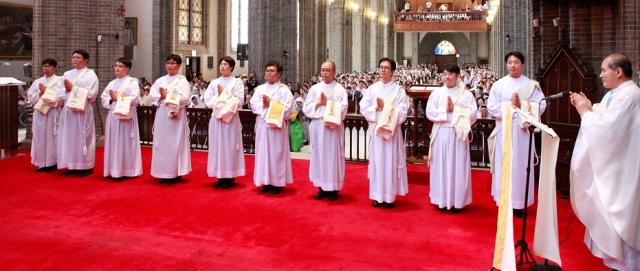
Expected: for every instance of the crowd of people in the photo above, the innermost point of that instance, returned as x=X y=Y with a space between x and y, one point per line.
x=442 y=13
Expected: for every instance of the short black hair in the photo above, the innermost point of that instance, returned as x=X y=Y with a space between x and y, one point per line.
x=50 y=62
x=125 y=61
x=620 y=60
x=452 y=68
x=391 y=62
x=516 y=54
x=81 y=52
x=229 y=60
x=274 y=63
x=175 y=58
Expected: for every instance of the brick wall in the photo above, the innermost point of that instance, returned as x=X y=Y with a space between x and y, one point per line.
x=592 y=28
x=60 y=27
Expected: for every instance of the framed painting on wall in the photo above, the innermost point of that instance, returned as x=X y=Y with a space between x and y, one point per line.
x=16 y=24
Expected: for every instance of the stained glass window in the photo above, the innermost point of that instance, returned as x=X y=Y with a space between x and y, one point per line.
x=445 y=48
x=190 y=21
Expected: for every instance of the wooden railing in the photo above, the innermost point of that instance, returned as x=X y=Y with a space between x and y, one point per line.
x=355 y=129
x=441 y=20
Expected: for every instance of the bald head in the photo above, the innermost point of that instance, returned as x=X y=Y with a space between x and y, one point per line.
x=615 y=70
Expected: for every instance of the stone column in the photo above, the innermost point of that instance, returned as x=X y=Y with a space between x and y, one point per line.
x=335 y=26
x=272 y=32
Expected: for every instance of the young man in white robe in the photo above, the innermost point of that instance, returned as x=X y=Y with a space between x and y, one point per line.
x=387 y=158
x=452 y=109
x=226 y=155
x=122 y=156
x=272 y=160
x=171 y=157
x=605 y=168
x=76 y=148
x=44 y=126
x=514 y=89
x=326 y=169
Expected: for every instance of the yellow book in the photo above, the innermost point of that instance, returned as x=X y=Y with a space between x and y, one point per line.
x=275 y=114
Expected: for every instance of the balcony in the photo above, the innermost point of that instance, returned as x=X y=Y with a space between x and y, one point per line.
x=441 y=21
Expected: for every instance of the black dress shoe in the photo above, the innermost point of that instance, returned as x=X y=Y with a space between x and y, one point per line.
x=218 y=184
x=51 y=168
x=321 y=194
x=333 y=196
x=85 y=172
x=265 y=188
x=456 y=210
x=69 y=172
x=41 y=169
x=388 y=205
x=228 y=183
x=442 y=209
x=376 y=204
x=276 y=190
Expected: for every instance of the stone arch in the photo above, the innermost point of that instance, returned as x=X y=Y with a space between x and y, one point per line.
x=429 y=42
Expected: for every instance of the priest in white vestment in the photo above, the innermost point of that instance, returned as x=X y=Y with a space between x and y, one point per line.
x=387 y=158
x=326 y=169
x=605 y=167
x=226 y=155
x=449 y=159
x=272 y=160
x=518 y=90
x=45 y=122
x=171 y=157
x=77 y=129
x=122 y=156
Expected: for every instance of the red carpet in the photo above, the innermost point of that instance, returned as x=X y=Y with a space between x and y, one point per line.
x=54 y=222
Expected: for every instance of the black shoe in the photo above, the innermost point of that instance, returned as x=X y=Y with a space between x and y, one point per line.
x=228 y=183
x=41 y=169
x=518 y=213
x=85 y=172
x=51 y=168
x=69 y=172
x=265 y=188
x=442 y=209
x=276 y=190
x=376 y=204
x=388 y=205
x=456 y=210
x=321 y=194
x=333 y=196
x=219 y=183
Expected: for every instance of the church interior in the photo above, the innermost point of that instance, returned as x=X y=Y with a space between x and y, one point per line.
x=54 y=221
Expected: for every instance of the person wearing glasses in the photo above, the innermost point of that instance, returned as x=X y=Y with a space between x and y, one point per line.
x=384 y=106
x=122 y=156
x=326 y=170
x=272 y=101
x=171 y=156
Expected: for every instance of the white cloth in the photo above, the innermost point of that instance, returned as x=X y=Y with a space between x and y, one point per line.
x=387 y=158
x=122 y=156
x=450 y=165
x=605 y=177
x=501 y=92
x=43 y=142
x=273 y=159
x=326 y=169
x=76 y=147
x=226 y=156
x=171 y=153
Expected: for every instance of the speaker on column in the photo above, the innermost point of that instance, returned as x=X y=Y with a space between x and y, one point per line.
x=242 y=52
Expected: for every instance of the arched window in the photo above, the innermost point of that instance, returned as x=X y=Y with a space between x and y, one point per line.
x=445 y=48
x=239 y=23
x=190 y=22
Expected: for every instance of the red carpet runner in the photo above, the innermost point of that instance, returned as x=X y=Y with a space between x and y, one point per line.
x=54 y=222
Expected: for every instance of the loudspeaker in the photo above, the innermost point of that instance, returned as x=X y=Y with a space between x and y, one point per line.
x=242 y=52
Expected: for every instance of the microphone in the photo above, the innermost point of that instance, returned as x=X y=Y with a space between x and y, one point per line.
x=557 y=95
